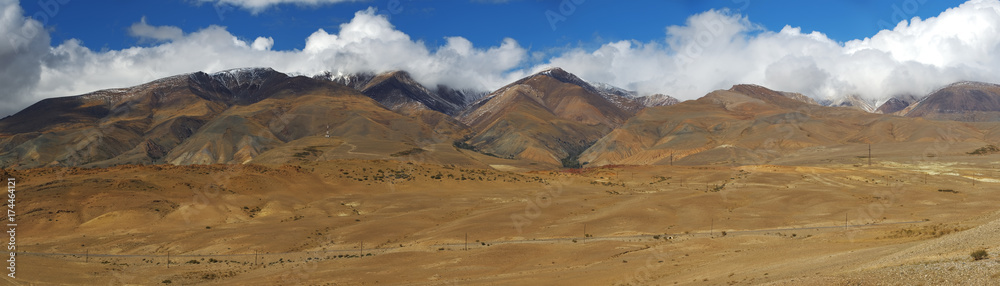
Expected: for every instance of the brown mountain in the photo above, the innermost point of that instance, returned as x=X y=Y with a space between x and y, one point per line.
x=895 y=104
x=546 y=117
x=749 y=124
x=399 y=92
x=853 y=101
x=657 y=100
x=799 y=97
x=963 y=101
x=234 y=116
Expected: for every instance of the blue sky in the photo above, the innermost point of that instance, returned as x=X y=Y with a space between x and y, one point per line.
x=593 y=22
x=823 y=49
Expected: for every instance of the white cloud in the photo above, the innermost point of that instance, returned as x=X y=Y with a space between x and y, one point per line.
x=366 y=43
x=257 y=6
x=716 y=50
x=262 y=44
x=156 y=33
x=713 y=50
x=24 y=44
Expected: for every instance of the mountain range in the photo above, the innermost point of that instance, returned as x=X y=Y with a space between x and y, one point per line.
x=549 y=119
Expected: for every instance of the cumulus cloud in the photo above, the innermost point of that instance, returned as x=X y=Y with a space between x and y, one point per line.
x=156 y=33
x=256 y=6
x=262 y=44
x=717 y=49
x=368 y=43
x=712 y=50
x=24 y=44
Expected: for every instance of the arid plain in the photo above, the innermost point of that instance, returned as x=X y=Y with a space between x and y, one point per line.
x=820 y=216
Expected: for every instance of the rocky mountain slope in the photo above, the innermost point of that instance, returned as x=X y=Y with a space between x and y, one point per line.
x=897 y=104
x=227 y=117
x=963 y=101
x=549 y=119
x=398 y=91
x=546 y=117
x=749 y=124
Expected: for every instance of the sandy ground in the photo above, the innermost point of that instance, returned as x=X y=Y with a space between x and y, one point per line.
x=808 y=221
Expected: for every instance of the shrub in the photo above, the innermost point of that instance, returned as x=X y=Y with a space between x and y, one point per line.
x=572 y=161
x=979 y=255
x=463 y=145
x=192 y=261
x=413 y=151
x=167 y=281
x=989 y=149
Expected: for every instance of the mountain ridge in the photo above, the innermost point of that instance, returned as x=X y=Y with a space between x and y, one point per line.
x=551 y=118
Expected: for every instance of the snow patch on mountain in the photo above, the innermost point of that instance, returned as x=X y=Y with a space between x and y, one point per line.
x=116 y=95
x=243 y=78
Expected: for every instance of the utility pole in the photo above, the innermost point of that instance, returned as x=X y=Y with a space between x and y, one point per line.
x=362 y=252
x=88 y=256
x=584 y=233
x=869 y=154
x=466 y=241
x=711 y=230
x=168 y=259
x=671 y=159
x=255 y=257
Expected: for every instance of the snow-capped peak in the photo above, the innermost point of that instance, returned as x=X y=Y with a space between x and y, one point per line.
x=239 y=76
x=243 y=77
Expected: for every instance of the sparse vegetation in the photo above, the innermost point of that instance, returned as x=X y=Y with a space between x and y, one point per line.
x=463 y=145
x=987 y=150
x=414 y=151
x=979 y=255
x=592 y=189
x=470 y=147
x=660 y=179
x=572 y=161
x=937 y=230
x=308 y=151
x=607 y=184
x=717 y=188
